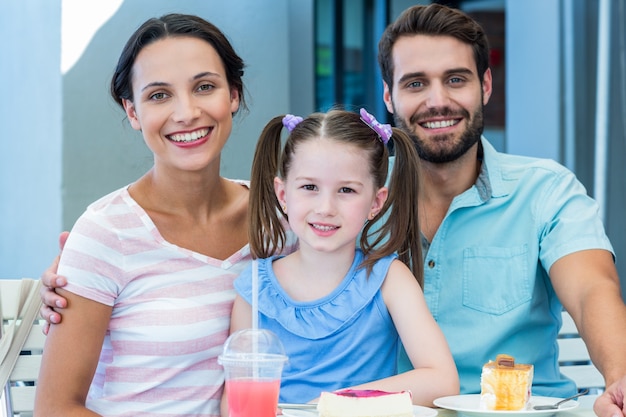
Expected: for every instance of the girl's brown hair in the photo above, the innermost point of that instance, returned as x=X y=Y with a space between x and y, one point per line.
x=394 y=229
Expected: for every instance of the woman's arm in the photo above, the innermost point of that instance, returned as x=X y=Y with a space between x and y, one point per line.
x=70 y=358
x=240 y=318
x=241 y=315
x=434 y=374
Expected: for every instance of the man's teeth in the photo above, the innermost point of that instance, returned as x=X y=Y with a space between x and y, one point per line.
x=189 y=137
x=439 y=124
x=323 y=228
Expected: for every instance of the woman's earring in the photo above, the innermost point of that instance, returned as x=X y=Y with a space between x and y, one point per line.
x=284 y=208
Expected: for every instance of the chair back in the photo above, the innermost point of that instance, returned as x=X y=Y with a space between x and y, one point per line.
x=574 y=360
x=21 y=345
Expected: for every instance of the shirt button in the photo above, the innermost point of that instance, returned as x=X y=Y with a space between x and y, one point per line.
x=431 y=264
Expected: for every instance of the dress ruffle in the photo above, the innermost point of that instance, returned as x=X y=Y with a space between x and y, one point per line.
x=322 y=317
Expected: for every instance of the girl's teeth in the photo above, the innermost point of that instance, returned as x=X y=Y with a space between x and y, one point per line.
x=323 y=228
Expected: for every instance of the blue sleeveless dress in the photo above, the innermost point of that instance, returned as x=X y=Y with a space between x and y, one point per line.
x=341 y=340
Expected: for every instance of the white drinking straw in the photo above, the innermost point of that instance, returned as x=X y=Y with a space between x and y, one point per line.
x=255 y=315
x=255 y=294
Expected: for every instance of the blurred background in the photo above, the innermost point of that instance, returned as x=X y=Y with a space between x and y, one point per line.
x=559 y=71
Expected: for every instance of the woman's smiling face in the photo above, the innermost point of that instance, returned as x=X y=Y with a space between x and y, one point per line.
x=182 y=102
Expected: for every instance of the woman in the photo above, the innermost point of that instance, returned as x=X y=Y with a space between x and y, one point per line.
x=150 y=267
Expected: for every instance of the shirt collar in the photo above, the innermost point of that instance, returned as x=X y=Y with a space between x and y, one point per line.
x=490 y=181
x=483 y=185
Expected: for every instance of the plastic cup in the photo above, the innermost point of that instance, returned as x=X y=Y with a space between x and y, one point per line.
x=253 y=362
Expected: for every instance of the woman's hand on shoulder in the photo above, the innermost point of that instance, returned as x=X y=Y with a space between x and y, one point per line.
x=51 y=280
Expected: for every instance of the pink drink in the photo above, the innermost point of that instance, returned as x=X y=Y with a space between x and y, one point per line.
x=250 y=398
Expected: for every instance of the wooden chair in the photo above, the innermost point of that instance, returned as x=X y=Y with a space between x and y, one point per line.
x=574 y=361
x=19 y=306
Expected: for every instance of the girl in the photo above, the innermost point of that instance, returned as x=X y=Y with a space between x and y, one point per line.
x=150 y=267
x=341 y=313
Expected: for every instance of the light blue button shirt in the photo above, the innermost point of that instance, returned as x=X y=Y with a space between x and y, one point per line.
x=485 y=271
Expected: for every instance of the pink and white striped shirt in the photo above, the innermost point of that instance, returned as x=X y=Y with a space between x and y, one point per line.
x=171 y=312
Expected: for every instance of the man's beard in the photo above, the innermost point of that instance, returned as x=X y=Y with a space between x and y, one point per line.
x=441 y=155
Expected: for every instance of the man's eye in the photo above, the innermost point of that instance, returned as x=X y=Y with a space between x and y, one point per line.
x=416 y=84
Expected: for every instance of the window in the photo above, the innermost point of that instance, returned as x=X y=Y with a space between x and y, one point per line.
x=346 y=41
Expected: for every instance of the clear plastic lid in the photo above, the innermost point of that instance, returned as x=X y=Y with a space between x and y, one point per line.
x=252 y=345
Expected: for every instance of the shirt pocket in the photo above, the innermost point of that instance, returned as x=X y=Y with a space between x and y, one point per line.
x=495 y=279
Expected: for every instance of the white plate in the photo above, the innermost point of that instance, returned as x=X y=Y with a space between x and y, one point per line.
x=418 y=411
x=470 y=405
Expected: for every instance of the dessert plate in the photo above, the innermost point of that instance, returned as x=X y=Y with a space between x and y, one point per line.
x=469 y=405
x=418 y=411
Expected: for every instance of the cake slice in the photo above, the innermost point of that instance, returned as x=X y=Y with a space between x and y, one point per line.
x=505 y=385
x=365 y=403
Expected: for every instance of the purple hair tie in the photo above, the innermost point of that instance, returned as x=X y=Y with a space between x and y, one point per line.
x=383 y=130
x=290 y=121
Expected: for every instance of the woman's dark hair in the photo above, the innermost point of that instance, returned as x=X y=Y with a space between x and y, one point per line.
x=175 y=25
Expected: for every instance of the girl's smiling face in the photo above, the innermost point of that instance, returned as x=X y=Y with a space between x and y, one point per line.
x=182 y=103
x=329 y=193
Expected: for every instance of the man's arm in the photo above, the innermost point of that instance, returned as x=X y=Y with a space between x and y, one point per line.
x=588 y=285
x=51 y=280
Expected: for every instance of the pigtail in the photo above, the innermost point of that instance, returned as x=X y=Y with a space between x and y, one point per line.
x=265 y=230
x=403 y=190
x=399 y=231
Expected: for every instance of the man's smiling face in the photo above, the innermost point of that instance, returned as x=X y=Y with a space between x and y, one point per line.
x=437 y=96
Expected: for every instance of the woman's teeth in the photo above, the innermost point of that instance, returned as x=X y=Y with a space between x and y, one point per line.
x=189 y=137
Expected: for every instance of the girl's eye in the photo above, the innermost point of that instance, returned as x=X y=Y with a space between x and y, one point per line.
x=346 y=190
x=309 y=187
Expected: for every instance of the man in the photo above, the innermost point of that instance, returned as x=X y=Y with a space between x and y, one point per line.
x=508 y=240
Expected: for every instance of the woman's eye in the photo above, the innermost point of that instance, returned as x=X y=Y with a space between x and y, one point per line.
x=346 y=190
x=158 y=96
x=205 y=87
x=309 y=187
